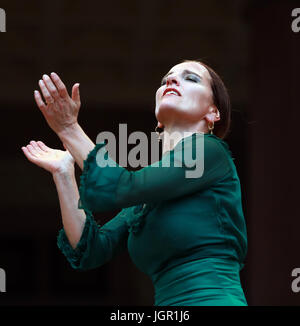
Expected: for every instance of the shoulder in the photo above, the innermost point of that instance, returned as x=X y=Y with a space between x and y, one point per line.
x=205 y=151
x=208 y=144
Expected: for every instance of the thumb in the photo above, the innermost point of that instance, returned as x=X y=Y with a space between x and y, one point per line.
x=75 y=93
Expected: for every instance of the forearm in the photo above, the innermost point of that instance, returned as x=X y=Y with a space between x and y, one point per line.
x=77 y=143
x=73 y=218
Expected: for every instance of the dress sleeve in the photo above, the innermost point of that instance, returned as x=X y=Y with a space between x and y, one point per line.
x=105 y=185
x=98 y=244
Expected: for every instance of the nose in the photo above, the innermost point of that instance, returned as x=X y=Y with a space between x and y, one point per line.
x=171 y=79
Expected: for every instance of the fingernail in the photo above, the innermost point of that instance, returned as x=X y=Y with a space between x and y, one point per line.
x=45 y=76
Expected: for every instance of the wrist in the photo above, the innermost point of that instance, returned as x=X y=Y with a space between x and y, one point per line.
x=68 y=132
x=63 y=173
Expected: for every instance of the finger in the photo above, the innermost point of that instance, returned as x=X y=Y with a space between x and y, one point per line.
x=39 y=101
x=62 y=90
x=32 y=151
x=36 y=147
x=29 y=155
x=45 y=92
x=75 y=93
x=50 y=86
x=43 y=146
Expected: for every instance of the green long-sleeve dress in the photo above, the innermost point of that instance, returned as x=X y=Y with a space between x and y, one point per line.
x=187 y=233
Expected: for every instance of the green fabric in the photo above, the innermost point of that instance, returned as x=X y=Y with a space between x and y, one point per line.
x=190 y=236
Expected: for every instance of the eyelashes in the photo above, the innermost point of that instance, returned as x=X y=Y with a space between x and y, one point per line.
x=193 y=79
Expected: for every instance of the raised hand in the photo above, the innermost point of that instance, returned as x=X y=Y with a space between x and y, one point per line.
x=59 y=109
x=52 y=160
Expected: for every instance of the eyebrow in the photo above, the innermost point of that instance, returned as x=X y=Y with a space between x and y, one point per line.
x=185 y=71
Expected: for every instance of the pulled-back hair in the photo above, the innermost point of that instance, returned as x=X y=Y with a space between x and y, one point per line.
x=221 y=100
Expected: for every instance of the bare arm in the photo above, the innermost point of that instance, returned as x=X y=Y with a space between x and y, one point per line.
x=77 y=143
x=61 y=165
x=73 y=219
x=94 y=245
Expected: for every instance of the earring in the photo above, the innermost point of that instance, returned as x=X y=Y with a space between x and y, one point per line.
x=158 y=133
x=210 y=128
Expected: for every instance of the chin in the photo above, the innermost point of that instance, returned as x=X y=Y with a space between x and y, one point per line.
x=165 y=111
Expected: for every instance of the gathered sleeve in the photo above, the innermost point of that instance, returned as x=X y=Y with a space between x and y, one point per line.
x=105 y=185
x=98 y=244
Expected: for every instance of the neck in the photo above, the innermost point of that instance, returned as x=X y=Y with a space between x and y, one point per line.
x=172 y=135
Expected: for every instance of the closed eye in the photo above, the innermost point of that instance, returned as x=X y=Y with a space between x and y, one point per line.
x=189 y=77
x=192 y=79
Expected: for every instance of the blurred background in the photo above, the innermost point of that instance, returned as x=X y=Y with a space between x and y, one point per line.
x=118 y=51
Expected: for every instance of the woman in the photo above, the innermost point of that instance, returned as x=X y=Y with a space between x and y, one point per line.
x=187 y=234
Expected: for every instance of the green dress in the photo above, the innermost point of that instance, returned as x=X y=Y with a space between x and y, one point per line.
x=187 y=234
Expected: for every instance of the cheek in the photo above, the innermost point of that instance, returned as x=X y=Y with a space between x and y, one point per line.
x=202 y=96
x=158 y=95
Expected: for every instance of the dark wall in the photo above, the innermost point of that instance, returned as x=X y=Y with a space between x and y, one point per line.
x=118 y=52
x=273 y=154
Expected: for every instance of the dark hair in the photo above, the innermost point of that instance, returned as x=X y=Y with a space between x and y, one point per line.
x=221 y=101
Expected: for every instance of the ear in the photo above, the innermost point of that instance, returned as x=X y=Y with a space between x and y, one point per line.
x=217 y=117
x=214 y=113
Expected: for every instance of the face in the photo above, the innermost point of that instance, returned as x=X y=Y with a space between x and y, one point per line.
x=193 y=97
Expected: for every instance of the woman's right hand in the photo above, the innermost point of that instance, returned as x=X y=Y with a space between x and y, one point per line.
x=59 y=109
x=52 y=160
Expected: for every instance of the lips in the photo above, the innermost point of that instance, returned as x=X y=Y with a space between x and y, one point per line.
x=171 y=89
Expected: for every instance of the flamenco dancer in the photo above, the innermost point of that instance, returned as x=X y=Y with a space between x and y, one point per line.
x=187 y=234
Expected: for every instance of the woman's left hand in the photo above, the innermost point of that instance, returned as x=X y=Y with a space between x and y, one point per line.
x=60 y=110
